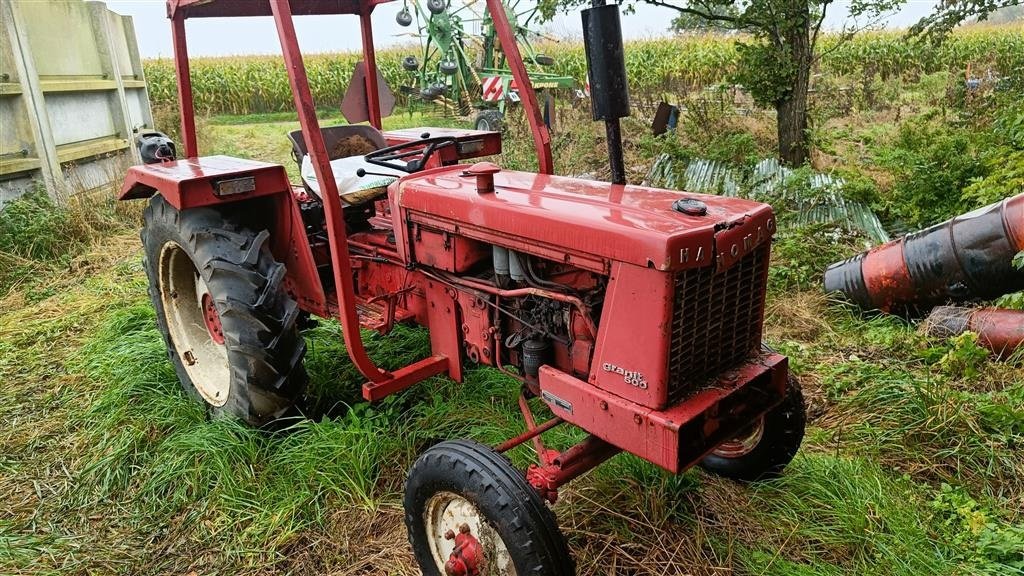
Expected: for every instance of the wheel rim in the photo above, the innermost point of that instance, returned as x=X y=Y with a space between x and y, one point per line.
x=742 y=444
x=448 y=511
x=194 y=325
x=212 y=318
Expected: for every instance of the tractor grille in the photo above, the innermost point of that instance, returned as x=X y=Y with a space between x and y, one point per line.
x=716 y=321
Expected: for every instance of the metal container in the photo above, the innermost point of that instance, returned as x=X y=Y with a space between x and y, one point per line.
x=998 y=329
x=968 y=257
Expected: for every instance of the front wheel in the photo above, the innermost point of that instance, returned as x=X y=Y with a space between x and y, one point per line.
x=765 y=447
x=488 y=121
x=229 y=326
x=468 y=511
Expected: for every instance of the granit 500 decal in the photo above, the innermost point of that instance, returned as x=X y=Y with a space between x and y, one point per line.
x=631 y=377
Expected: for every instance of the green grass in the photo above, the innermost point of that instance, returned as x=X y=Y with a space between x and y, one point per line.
x=38 y=236
x=110 y=468
x=144 y=461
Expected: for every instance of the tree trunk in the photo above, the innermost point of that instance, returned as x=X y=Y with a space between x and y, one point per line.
x=791 y=110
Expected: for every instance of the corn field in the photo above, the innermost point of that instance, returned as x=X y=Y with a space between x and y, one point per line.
x=257 y=84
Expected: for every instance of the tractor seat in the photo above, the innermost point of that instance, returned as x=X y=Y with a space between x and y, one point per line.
x=333 y=136
x=345 y=159
x=353 y=190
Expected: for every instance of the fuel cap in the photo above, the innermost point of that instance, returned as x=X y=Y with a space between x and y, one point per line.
x=690 y=207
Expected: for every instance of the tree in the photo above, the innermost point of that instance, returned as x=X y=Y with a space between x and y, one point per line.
x=950 y=13
x=775 y=66
x=688 y=23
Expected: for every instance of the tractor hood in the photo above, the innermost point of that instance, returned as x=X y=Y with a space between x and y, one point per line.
x=635 y=224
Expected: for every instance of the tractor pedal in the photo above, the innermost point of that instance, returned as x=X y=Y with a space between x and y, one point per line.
x=375 y=316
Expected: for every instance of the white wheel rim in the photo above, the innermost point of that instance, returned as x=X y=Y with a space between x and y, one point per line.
x=181 y=293
x=743 y=444
x=448 y=511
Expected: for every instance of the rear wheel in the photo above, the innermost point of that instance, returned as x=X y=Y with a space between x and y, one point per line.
x=230 y=328
x=467 y=508
x=767 y=446
x=488 y=121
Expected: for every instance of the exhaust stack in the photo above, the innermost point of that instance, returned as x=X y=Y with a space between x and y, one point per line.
x=606 y=69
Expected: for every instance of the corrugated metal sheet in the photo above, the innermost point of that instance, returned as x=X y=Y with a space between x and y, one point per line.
x=821 y=201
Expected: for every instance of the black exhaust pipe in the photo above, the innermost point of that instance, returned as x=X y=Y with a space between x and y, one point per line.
x=606 y=68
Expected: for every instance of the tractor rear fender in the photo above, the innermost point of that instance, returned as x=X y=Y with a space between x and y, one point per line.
x=205 y=181
x=257 y=190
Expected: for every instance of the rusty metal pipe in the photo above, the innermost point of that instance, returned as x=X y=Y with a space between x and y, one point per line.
x=533 y=432
x=998 y=329
x=967 y=257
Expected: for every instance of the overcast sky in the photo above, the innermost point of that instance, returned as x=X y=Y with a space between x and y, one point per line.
x=217 y=37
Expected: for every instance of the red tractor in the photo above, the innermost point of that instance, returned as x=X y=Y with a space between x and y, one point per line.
x=633 y=313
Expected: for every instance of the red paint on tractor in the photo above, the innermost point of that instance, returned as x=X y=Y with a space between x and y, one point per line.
x=677 y=437
x=615 y=290
x=633 y=224
x=531 y=109
x=206 y=181
x=562 y=468
x=471 y=143
x=467 y=559
x=212 y=320
x=184 y=80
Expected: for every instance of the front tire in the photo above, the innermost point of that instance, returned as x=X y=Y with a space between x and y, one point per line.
x=229 y=326
x=488 y=121
x=766 y=447
x=462 y=483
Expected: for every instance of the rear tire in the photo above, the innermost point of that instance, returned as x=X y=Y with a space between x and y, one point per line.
x=462 y=481
x=762 y=451
x=488 y=121
x=229 y=326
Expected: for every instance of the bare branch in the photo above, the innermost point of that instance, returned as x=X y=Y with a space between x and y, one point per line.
x=737 y=22
x=817 y=25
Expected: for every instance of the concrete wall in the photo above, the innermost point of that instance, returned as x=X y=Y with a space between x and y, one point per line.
x=72 y=96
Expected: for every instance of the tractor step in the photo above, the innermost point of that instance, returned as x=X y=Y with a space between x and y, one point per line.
x=374 y=315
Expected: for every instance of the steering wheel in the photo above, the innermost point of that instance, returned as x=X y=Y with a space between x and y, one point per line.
x=392 y=156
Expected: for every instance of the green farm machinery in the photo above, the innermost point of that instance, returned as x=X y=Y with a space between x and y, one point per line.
x=463 y=71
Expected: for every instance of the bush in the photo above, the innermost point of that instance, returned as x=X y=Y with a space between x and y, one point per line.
x=1003 y=159
x=932 y=163
x=985 y=540
x=800 y=255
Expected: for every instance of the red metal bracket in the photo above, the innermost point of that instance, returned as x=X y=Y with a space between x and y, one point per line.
x=405 y=377
x=390 y=302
